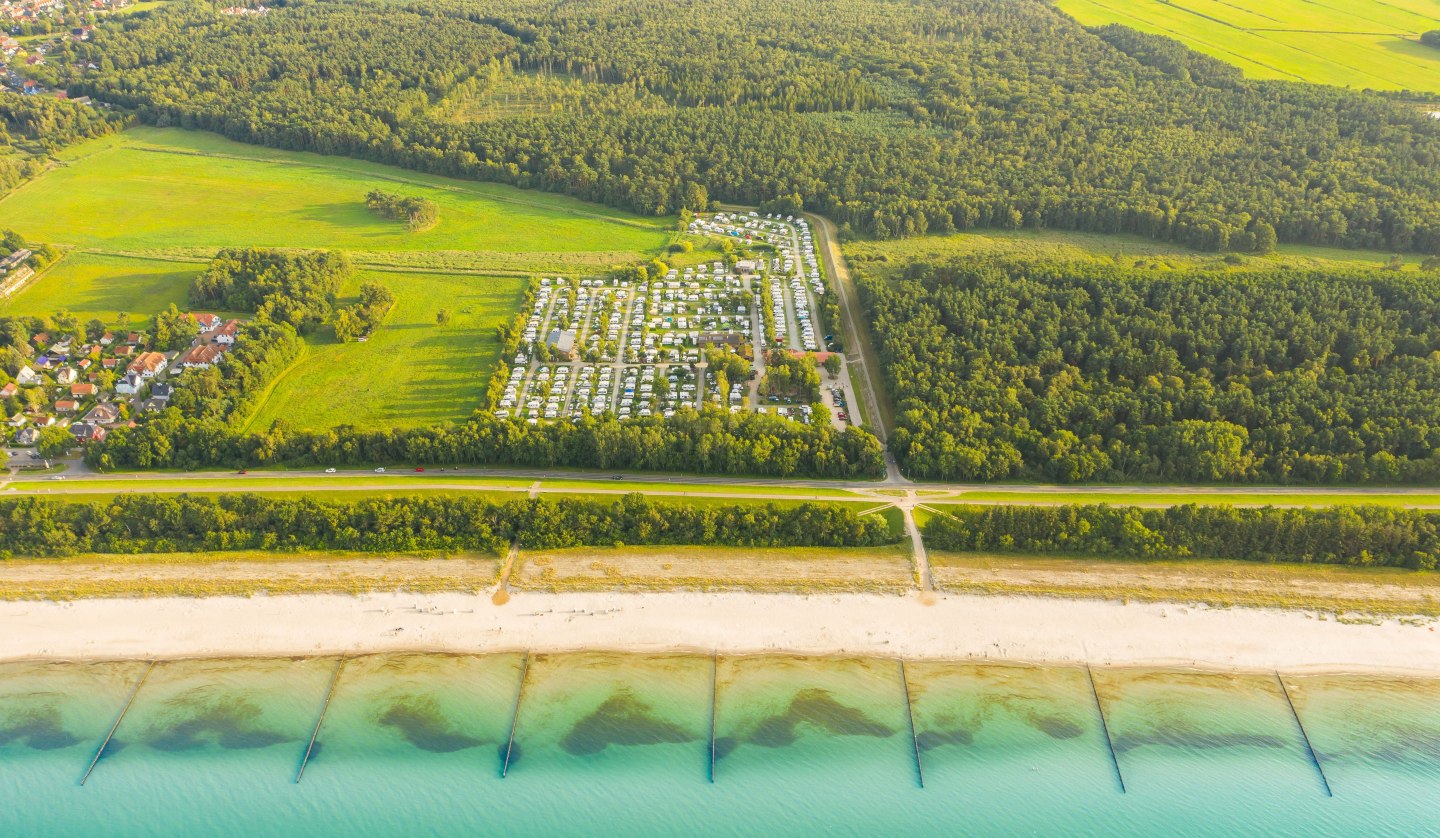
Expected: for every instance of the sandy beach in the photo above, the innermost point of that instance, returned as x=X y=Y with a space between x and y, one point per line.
x=941 y=627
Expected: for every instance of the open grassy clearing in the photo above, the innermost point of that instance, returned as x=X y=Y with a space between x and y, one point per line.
x=159 y=189
x=412 y=371
x=1349 y=43
x=802 y=569
x=888 y=258
x=1202 y=498
x=90 y=285
x=245 y=573
x=1371 y=591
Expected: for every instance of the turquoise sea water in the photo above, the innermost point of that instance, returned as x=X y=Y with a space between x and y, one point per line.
x=611 y=744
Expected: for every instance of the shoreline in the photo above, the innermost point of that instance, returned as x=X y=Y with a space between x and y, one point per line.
x=1000 y=629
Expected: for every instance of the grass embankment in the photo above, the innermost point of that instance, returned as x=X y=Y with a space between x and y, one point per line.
x=1357 y=43
x=1347 y=591
x=244 y=573
x=1301 y=498
x=789 y=569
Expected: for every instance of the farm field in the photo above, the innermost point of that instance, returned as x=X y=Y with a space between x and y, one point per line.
x=166 y=191
x=92 y=285
x=1349 y=43
x=412 y=371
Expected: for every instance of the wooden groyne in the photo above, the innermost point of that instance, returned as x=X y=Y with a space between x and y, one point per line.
x=515 y=717
x=910 y=715
x=126 y=709
x=1304 y=737
x=714 y=704
x=315 y=734
x=1105 y=727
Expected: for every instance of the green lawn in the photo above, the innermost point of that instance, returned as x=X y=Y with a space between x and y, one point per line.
x=176 y=191
x=92 y=285
x=411 y=371
x=1349 y=43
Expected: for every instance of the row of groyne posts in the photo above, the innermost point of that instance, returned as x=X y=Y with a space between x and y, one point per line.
x=909 y=700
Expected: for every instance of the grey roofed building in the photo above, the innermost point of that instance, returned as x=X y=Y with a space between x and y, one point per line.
x=561 y=343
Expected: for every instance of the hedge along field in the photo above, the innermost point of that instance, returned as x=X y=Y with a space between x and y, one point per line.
x=93 y=285
x=154 y=189
x=412 y=371
x=1348 y=43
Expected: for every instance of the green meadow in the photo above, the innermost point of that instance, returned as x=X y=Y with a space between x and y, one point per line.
x=412 y=371
x=141 y=212
x=1350 y=43
x=96 y=285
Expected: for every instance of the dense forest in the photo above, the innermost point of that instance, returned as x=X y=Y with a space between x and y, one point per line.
x=891 y=116
x=1365 y=535
x=298 y=288
x=1074 y=372
x=710 y=442
x=144 y=523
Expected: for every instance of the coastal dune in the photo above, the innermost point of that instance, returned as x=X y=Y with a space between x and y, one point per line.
x=915 y=626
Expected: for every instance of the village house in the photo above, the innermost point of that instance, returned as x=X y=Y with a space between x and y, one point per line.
x=202 y=357
x=206 y=322
x=103 y=414
x=27 y=436
x=26 y=377
x=86 y=432
x=163 y=392
x=130 y=384
x=66 y=376
x=148 y=364
x=10 y=389
x=225 y=334
x=66 y=406
x=83 y=390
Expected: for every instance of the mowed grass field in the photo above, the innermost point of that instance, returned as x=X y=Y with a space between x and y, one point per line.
x=142 y=212
x=165 y=189
x=1349 y=43
x=412 y=371
x=95 y=285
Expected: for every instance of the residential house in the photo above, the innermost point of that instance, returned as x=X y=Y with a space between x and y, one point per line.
x=148 y=364
x=66 y=376
x=163 y=392
x=67 y=406
x=225 y=334
x=103 y=414
x=107 y=338
x=206 y=322
x=17 y=421
x=26 y=377
x=83 y=390
x=154 y=405
x=124 y=351
x=130 y=384
x=86 y=432
x=134 y=338
x=10 y=389
x=202 y=357
x=27 y=436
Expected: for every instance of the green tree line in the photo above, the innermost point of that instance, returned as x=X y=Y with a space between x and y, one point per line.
x=155 y=523
x=711 y=442
x=1345 y=535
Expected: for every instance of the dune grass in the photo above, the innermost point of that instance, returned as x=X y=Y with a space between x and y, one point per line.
x=1355 y=43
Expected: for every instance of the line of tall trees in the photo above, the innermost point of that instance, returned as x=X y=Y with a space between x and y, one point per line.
x=158 y=523
x=1094 y=372
x=893 y=117
x=1346 y=535
x=712 y=441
